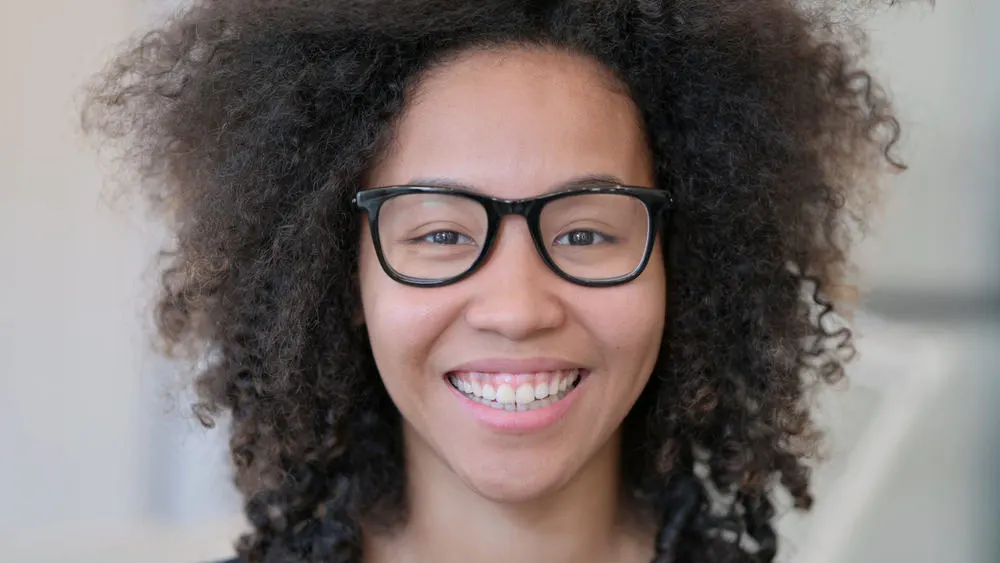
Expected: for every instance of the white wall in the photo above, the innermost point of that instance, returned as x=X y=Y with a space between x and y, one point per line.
x=96 y=444
x=70 y=428
x=941 y=229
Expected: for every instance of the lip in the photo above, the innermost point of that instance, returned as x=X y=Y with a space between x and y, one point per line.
x=517 y=422
x=515 y=365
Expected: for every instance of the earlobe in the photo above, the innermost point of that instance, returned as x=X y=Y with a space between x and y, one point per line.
x=358 y=318
x=358 y=313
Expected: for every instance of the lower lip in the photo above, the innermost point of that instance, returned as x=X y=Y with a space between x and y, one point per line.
x=518 y=422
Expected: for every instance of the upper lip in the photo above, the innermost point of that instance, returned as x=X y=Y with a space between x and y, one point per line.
x=515 y=365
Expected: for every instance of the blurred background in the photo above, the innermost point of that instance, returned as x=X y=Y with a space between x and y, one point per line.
x=101 y=461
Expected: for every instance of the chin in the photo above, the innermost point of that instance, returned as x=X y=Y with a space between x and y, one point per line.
x=515 y=481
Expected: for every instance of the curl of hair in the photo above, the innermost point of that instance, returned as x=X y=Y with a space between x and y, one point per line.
x=256 y=121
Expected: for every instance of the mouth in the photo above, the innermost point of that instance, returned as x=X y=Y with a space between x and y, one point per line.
x=516 y=392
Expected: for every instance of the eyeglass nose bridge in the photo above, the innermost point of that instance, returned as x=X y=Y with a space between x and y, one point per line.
x=504 y=207
x=530 y=210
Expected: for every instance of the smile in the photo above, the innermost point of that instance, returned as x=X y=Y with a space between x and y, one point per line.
x=516 y=391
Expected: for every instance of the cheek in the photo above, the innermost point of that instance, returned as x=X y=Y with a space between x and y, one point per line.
x=631 y=334
x=628 y=327
x=631 y=318
x=402 y=322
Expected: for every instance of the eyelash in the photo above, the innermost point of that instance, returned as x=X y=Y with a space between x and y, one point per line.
x=604 y=238
x=430 y=235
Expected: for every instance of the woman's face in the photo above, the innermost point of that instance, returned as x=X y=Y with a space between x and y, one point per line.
x=514 y=124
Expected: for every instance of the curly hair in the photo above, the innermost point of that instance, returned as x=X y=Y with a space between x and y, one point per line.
x=257 y=120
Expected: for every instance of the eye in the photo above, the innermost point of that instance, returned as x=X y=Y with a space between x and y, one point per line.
x=445 y=238
x=583 y=238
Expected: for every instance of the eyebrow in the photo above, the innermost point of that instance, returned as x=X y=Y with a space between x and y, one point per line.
x=585 y=181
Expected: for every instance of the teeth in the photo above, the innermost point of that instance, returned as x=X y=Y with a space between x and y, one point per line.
x=505 y=394
x=524 y=394
x=516 y=392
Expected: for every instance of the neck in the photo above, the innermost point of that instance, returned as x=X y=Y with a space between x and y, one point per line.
x=584 y=521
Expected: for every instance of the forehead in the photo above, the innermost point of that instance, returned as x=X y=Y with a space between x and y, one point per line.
x=516 y=122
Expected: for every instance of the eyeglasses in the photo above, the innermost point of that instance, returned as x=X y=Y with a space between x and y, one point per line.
x=593 y=236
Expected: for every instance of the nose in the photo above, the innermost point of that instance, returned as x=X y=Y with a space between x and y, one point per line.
x=515 y=294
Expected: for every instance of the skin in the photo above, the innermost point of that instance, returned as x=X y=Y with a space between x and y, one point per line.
x=514 y=124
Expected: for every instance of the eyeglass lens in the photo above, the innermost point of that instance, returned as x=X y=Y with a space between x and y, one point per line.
x=436 y=236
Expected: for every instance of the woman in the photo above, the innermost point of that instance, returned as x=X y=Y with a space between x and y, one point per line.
x=504 y=280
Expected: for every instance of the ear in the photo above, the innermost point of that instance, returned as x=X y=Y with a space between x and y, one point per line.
x=358 y=318
x=358 y=314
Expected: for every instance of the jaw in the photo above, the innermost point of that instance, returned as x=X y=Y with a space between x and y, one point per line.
x=524 y=498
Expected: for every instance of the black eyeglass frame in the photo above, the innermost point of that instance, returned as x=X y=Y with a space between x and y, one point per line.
x=658 y=204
